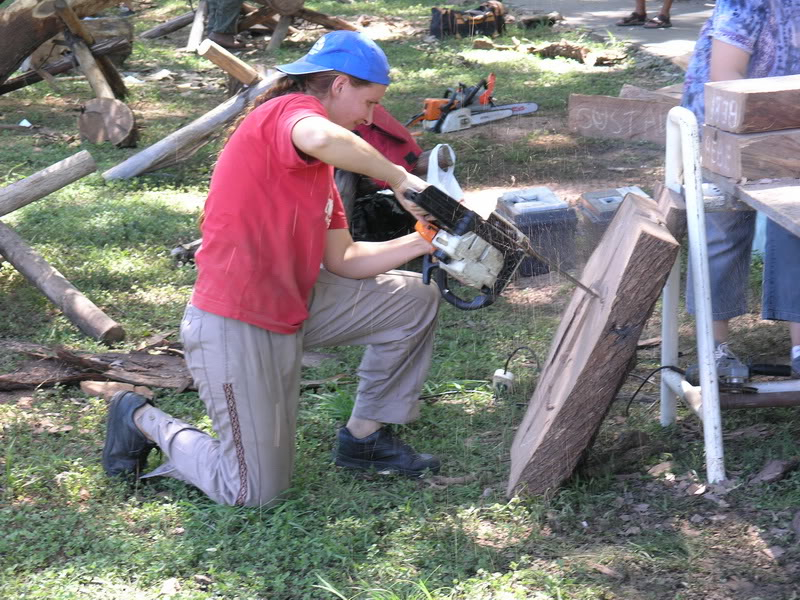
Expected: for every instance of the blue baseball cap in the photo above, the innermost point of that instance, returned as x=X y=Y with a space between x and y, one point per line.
x=350 y=52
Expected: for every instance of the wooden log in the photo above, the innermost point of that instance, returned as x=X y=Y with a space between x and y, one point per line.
x=593 y=347
x=107 y=120
x=261 y=16
x=198 y=30
x=280 y=33
x=81 y=311
x=772 y=154
x=108 y=46
x=109 y=72
x=229 y=63
x=46 y=181
x=170 y=26
x=27 y=24
x=618 y=118
x=91 y=70
x=285 y=7
x=325 y=20
x=753 y=105
x=190 y=137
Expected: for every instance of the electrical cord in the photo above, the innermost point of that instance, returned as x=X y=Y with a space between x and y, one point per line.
x=646 y=379
x=535 y=357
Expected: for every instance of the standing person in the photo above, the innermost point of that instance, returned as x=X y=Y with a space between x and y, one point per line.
x=747 y=40
x=223 y=15
x=272 y=216
x=639 y=17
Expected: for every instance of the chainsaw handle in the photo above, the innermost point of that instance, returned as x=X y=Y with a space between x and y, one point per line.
x=429 y=266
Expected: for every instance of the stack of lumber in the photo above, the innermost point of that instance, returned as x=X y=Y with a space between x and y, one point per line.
x=637 y=114
x=752 y=128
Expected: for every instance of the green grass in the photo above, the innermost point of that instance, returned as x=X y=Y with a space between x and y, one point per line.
x=68 y=532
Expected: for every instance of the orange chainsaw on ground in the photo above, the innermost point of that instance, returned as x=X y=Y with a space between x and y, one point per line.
x=464 y=106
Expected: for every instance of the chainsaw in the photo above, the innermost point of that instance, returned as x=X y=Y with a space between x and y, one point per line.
x=466 y=106
x=479 y=253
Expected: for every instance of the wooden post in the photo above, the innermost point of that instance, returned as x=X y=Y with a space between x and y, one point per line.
x=168 y=27
x=280 y=33
x=46 y=181
x=75 y=306
x=110 y=76
x=198 y=31
x=228 y=62
x=179 y=144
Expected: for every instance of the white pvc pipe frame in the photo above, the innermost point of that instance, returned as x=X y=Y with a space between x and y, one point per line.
x=682 y=173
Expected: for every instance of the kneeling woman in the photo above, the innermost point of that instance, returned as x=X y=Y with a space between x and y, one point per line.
x=272 y=217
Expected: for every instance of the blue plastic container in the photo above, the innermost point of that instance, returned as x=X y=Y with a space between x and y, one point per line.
x=549 y=223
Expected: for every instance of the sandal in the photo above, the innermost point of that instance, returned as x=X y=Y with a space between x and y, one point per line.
x=632 y=20
x=659 y=22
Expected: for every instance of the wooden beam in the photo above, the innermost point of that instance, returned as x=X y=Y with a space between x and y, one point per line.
x=229 y=63
x=45 y=182
x=593 y=347
x=174 y=24
x=261 y=16
x=183 y=142
x=81 y=311
x=752 y=105
x=618 y=118
x=778 y=200
x=772 y=154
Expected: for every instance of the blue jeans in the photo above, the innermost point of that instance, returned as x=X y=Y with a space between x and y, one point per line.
x=730 y=238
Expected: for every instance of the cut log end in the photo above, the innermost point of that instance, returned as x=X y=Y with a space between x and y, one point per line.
x=108 y=120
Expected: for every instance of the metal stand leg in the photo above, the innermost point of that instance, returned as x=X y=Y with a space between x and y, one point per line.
x=683 y=165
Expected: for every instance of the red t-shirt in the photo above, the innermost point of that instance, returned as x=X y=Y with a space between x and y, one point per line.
x=266 y=219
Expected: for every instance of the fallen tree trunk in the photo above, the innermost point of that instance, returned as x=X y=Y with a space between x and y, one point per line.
x=46 y=181
x=26 y=24
x=109 y=46
x=166 y=28
x=182 y=143
x=76 y=307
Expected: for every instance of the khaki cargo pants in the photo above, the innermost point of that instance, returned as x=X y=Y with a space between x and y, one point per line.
x=249 y=380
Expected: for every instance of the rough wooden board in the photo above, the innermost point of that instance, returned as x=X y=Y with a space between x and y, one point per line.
x=637 y=93
x=751 y=105
x=673 y=208
x=591 y=351
x=618 y=118
x=779 y=201
x=751 y=155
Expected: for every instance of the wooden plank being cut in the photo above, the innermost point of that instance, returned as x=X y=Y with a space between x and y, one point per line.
x=618 y=118
x=778 y=200
x=751 y=105
x=593 y=347
x=637 y=93
x=771 y=154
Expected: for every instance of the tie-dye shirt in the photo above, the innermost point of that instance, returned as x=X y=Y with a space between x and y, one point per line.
x=768 y=30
